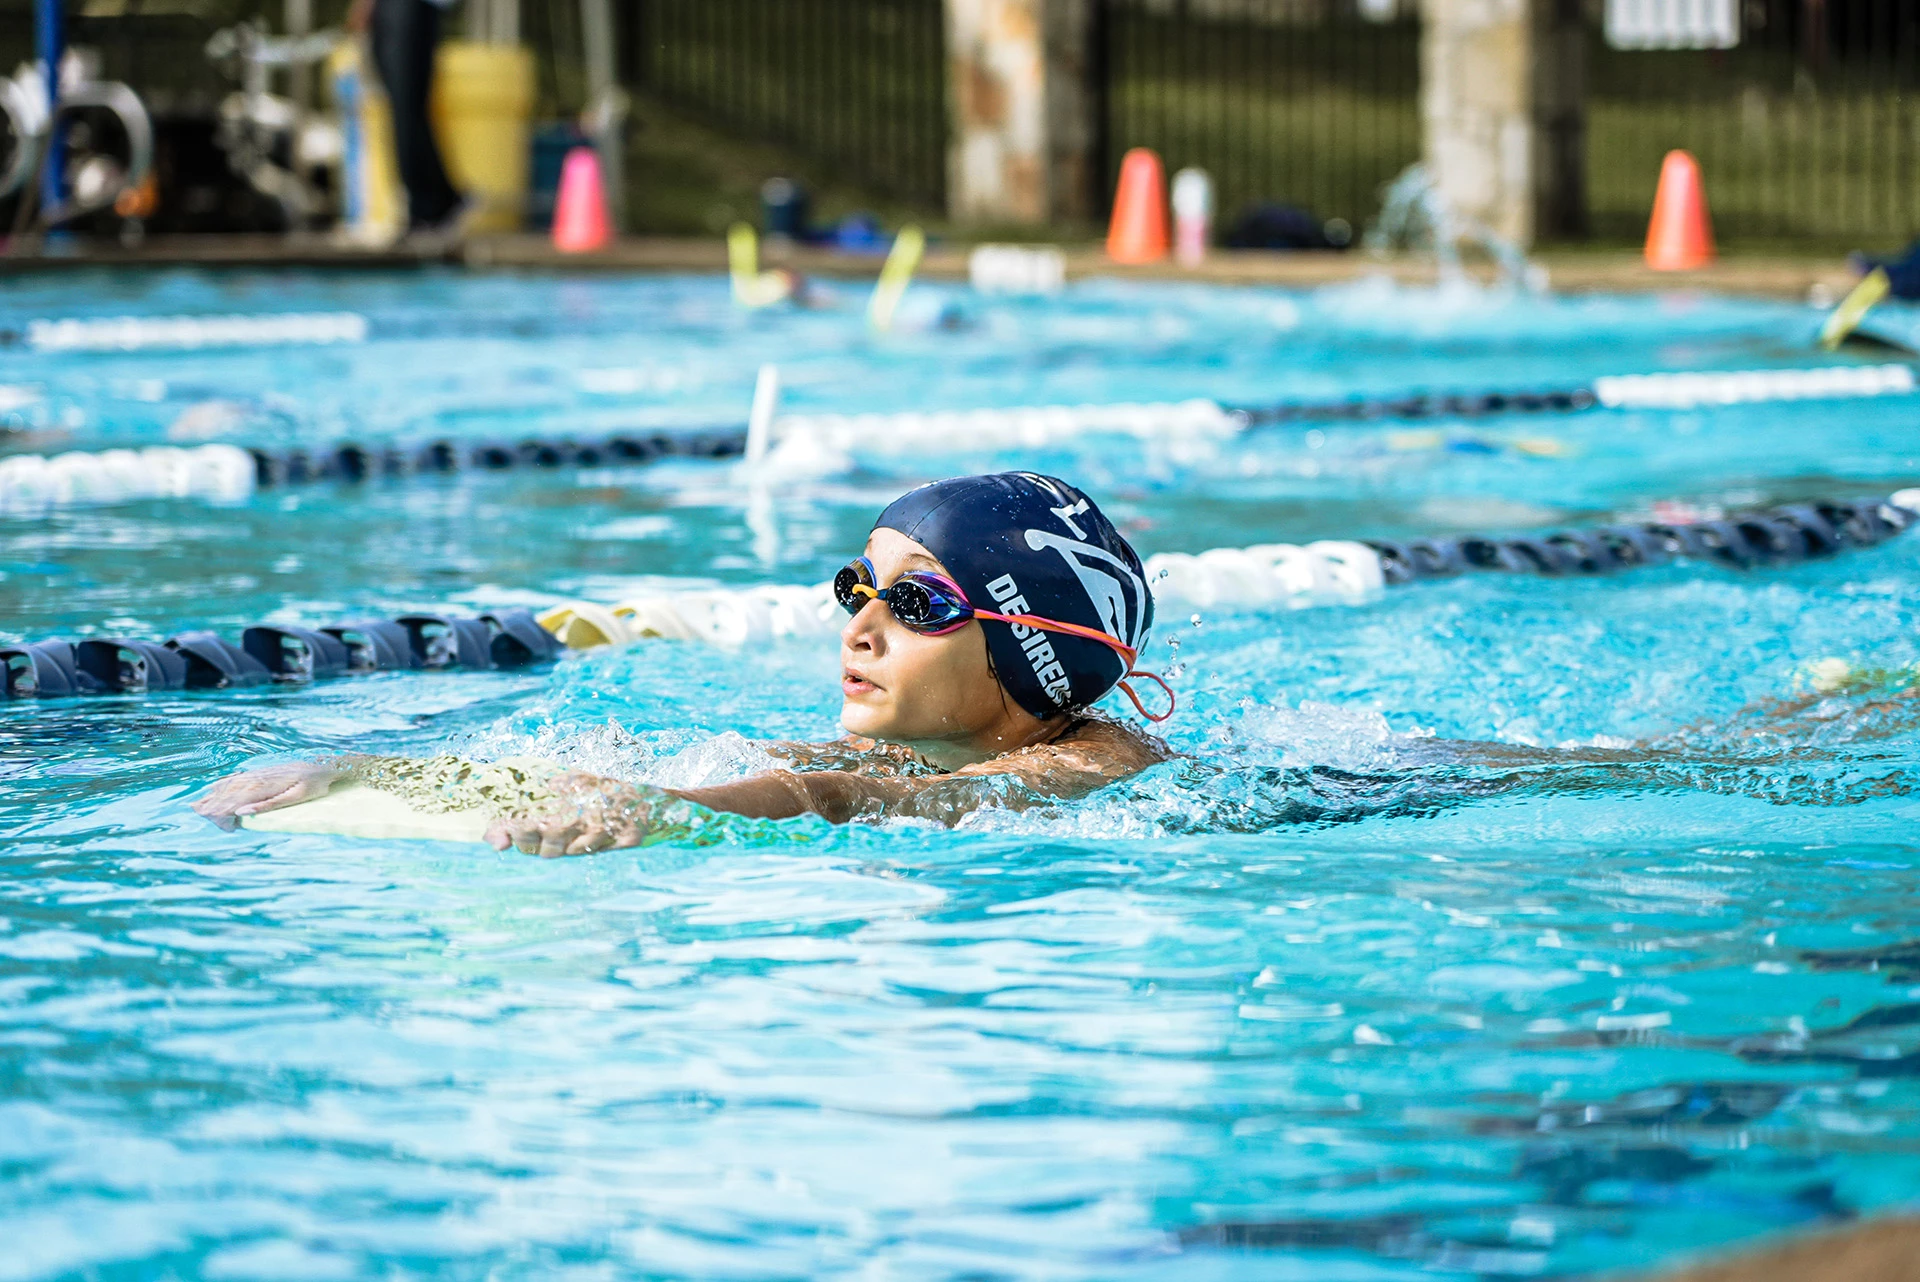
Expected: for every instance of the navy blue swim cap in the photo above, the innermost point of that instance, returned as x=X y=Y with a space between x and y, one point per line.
x=1021 y=543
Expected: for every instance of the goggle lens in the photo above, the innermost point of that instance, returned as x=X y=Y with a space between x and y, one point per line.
x=918 y=604
x=853 y=576
x=911 y=603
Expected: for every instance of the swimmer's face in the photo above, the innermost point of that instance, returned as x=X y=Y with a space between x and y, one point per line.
x=916 y=690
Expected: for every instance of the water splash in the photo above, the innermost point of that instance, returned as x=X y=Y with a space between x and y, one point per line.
x=1415 y=216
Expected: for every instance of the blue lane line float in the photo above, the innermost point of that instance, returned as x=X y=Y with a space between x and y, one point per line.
x=1266 y=574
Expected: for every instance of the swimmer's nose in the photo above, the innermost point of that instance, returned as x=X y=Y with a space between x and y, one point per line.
x=865 y=628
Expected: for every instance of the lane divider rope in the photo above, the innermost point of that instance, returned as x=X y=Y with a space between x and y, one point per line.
x=31 y=483
x=1325 y=572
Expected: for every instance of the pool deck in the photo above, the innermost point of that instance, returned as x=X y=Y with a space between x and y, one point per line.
x=1570 y=271
x=1879 y=1250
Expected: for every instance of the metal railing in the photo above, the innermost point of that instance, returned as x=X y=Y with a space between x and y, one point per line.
x=858 y=86
x=1311 y=103
x=1808 y=128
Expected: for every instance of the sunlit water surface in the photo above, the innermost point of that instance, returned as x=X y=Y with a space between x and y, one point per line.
x=1301 y=1004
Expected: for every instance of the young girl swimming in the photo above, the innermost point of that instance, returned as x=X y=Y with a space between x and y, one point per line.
x=989 y=613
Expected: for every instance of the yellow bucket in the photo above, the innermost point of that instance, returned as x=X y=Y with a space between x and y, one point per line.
x=482 y=106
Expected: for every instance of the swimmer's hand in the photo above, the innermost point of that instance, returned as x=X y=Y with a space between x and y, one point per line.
x=590 y=813
x=252 y=791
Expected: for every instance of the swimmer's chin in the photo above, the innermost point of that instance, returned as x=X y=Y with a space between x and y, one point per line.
x=864 y=717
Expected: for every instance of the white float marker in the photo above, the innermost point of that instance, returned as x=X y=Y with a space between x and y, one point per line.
x=190 y=333
x=1017 y=269
x=766 y=400
x=1753 y=387
x=762 y=521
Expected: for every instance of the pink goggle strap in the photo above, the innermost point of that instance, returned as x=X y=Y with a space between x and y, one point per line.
x=1125 y=651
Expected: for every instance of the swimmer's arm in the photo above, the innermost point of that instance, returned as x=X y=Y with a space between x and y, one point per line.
x=847 y=752
x=593 y=813
x=841 y=795
x=596 y=813
x=1095 y=757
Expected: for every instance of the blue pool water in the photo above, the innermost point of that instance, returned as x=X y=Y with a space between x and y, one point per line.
x=1304 y=1004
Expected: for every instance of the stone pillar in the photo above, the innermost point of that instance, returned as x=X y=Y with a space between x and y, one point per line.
x=1502 y=102
x=1022 y=116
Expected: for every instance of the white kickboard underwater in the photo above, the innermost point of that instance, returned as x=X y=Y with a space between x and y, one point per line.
x=352 y=809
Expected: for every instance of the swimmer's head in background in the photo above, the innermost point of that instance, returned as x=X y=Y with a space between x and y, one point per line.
x=1018 y=543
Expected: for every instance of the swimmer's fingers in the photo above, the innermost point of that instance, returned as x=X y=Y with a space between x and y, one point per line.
x=526 y=836
x=224 y=798
x=544 y=835
x=596 y=837
x=522 y=834
x=558 y=834
x=303 y=789
x=597 y=825
x=617 y=833
x=253 y=791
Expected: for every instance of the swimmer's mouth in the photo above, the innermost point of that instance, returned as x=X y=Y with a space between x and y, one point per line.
x=853 y=683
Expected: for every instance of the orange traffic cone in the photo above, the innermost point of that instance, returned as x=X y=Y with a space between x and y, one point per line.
x=1138 y=233
x=580 y=211
x=1680 y=235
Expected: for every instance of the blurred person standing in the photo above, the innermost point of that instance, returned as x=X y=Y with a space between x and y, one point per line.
x=405 y=35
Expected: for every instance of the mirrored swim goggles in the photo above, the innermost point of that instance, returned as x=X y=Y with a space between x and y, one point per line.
x=934 y=605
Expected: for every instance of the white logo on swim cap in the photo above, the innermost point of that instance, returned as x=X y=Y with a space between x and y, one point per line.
x=1116 y=592
x=1066 y=515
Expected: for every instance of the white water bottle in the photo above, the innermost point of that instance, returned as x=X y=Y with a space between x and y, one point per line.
x=1192 y=215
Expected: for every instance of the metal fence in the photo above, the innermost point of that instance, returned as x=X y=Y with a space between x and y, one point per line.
x=859 y=86
x=1808 y=128
x=1312 y=103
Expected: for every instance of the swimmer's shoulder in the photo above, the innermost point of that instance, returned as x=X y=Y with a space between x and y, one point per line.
x=1091 y=753
x=1128 y=748
x=852 y=754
